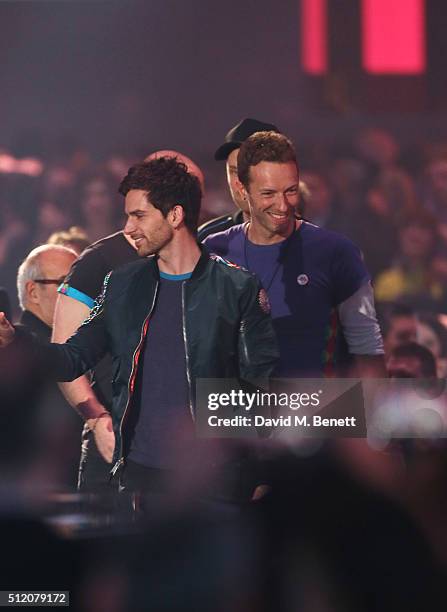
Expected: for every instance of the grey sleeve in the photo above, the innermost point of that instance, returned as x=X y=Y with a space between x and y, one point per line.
x=359 y=322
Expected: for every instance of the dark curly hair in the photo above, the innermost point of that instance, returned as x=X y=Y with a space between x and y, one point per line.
x=263 y=146
x=167 y=183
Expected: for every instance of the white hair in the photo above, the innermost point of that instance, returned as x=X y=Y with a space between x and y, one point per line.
x=31 y=267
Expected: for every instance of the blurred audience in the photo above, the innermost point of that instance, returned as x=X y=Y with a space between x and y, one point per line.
x=318 y=200
x=99 y=208
x=435 y=191
x=410 y=277
x=367 y=552
x=376 y=219
x=74 y=238
x=433 y=335
x=399 y=324
x=361 y=187
x=411 y=360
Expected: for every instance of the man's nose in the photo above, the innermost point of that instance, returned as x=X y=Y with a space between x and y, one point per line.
x=129 y=227
x=282 y=202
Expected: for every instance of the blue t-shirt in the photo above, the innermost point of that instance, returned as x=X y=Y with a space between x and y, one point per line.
x=164 y=427
x=306 y=277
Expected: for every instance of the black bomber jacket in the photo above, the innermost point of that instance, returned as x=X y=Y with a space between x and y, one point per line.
x=227 y=331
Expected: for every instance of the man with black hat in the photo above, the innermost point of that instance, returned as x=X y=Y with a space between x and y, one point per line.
x=228 y=152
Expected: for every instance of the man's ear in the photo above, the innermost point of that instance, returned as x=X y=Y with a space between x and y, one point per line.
x=240 y=187
x=31 y=292
x=176 y=216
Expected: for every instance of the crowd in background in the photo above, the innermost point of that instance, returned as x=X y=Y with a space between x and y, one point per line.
x=393 y=204
x=391 y=201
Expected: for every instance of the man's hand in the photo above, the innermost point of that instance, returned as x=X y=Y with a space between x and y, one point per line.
x=104 y=437
x=6 y=331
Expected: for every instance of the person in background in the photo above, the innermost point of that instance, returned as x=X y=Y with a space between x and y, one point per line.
x=435 y=191
x=228 y=152
x=411 y=360
x=377 y=211
x=410 y=278
x=38 y=278
x=382 y=152
x=97 y=207
x=318 y=207
x=52 y=217
x=74 y=238
x=432 y=334
x=15 y=238
x=399 y=325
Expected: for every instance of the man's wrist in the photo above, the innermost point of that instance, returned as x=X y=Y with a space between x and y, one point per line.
x=90 y=409
x=92 y=422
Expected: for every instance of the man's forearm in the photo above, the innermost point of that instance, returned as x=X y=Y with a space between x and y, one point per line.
x=81 y=397
x=69 y=315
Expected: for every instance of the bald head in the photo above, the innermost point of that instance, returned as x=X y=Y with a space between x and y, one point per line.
x=193 y=168
x=38 y=278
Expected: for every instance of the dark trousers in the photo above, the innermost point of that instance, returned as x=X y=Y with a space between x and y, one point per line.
x=150 y=491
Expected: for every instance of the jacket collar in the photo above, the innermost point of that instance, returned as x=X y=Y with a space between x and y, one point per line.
x=197 y=272
x=201 y=264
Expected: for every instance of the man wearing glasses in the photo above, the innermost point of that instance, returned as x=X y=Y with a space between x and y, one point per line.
x=38 y=278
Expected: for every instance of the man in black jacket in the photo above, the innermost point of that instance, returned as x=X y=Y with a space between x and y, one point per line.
x=93 y=395
x=166 y=320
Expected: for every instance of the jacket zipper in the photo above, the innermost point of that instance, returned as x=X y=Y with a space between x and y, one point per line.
x=188 y=373
x=244 y=342
x=120 y=461
x=245 y=348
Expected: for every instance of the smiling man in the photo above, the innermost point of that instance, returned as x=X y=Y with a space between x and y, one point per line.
x=174 y=315
x=315 y=279
x=76 y=298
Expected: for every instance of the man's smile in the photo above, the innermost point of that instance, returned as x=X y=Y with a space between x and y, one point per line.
x=279 y=217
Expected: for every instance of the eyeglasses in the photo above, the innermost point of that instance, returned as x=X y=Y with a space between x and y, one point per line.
x=50 y=281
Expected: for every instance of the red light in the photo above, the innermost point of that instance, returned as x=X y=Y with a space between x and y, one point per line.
x=314 y=36
x=393 y=36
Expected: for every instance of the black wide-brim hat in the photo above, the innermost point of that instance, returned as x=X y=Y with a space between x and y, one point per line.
x=240 y=132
